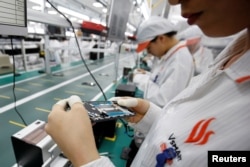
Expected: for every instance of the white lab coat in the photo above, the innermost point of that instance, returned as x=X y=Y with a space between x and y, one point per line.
x=55 y=51
x=168 y=77
x=218 y=99
x=203 y=58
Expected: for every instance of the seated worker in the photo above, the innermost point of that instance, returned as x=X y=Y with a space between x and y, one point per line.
x=210 y=114
x=173 y=65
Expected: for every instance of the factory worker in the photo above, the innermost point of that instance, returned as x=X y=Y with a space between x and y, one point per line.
x=55 y=51
x=211 y=114
x=202 y=55
x=173 y=65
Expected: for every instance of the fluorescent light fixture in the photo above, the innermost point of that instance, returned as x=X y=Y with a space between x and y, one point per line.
x=73 y=19
x=32 y=23
x=47 y=5
x=146 y=11
x=39 y=31
x=36 y=7
x=69 y=34
x=104 y=10
x=73 y=13
x=36 y=30
x=64 y=15
x=131 y=27
x=37 y=1
x=52 y=12
x=31 y=30
x=139 y=2
x=97 y=5
x=128 y=34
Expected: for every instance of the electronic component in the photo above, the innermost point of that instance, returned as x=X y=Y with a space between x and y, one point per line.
x=125 y=90
x=105 y=110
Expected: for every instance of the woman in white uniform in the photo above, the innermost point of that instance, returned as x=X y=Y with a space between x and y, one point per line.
x=211 y=114
x=172 y=67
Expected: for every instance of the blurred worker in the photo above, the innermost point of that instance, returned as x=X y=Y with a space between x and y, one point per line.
x=210 y=114
x=55 y=51
x=73 y=46
x=202 y=56
x=173 y=65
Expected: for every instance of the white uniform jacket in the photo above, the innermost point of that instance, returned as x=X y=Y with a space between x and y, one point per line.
x=203 y=58
x=211 y=114
x=169 y=76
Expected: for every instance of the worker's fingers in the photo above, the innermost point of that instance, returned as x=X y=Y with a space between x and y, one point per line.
x=125 y=101
x=62 y=102
x=114 y=98
x=74 y=99
x=130 y=102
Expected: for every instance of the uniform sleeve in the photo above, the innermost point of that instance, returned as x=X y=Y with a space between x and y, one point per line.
x=145 y=124
x=103 y=161
x=141 y=80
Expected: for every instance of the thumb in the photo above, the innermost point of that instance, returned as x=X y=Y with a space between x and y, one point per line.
x=130 y=102
x=74 y=99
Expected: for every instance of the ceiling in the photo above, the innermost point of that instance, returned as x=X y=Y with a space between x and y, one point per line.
x=140 y=9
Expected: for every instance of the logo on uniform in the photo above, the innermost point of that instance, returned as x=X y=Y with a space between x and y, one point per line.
x=200 y=133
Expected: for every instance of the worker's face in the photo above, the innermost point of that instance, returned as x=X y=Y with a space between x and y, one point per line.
x=216 y=18
x=158 y=46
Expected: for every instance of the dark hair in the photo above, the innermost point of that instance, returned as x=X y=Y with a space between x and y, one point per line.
x=170 y=34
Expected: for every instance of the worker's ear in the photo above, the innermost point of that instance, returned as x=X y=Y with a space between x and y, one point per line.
x=163 y=38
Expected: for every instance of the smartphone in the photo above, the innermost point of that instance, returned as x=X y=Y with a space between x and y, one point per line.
x=106 y=110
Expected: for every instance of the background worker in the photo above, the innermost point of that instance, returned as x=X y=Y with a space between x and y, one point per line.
x=172 y=66
x=218 y=101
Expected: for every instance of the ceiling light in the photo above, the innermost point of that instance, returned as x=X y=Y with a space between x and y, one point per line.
x=73 y=13
x=131 y=27
x=104 y=10
x=73 y=19
x=36 y=7
x=52 y=12
x=36 y=1
x=97 y=4
x=47 y=5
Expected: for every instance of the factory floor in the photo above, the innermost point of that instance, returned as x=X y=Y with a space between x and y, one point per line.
x=32 y=94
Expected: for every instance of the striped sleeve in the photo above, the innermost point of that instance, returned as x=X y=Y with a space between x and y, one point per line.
x=152 y=114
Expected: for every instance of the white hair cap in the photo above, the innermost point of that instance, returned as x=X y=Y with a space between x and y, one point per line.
x=152 y=27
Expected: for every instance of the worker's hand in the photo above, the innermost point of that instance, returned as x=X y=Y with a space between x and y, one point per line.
x=72 y=131
x=137 y=105
x=139 y=71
